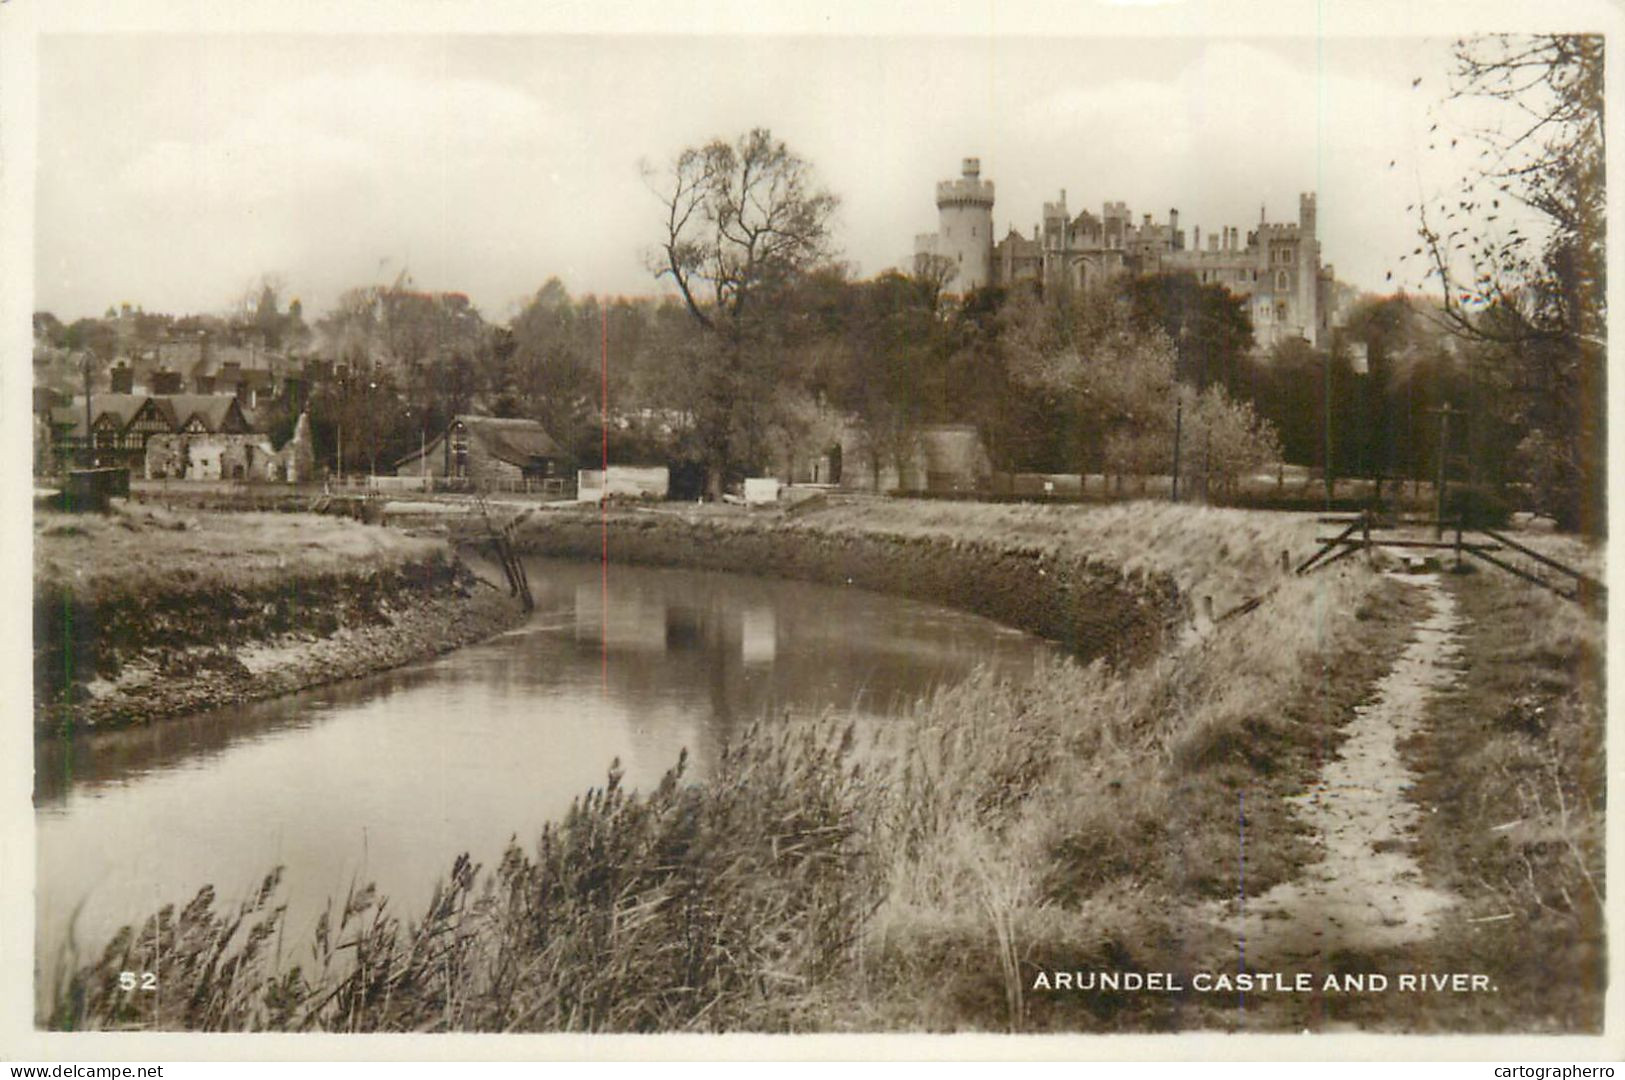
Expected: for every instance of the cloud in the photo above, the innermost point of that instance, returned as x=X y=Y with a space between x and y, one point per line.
x=247 y=164
x=393 y=107
x=329 y=133
x=1235 y=108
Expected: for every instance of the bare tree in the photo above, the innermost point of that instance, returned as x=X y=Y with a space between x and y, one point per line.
x=1527 y=292
x=934 y=273
x=743 y=221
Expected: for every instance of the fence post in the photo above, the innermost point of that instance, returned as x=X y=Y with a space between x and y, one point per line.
x=1365 y=536
x=1179 y=417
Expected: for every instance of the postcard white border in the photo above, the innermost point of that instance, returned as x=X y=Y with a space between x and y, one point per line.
x=21 y=24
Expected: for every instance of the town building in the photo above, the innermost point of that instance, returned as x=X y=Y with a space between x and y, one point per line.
x=203 y=437
x=1276 y=267
x=170 y=436
x=181 y=363
x=105 y=433
x=492 y=452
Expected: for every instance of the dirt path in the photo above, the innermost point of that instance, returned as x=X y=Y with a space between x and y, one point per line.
x=1366 y=893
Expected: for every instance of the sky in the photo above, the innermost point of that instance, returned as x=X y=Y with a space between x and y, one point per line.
x=174 y=170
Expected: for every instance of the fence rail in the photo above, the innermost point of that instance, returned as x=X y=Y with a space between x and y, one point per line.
x=559 y=487
x=1585 y=589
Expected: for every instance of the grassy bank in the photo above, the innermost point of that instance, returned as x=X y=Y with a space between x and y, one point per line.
x=1228 y=555
x=906 y=878
x=1100 y=837
x=1119 y=582
x=147 y=551
x=143 y=613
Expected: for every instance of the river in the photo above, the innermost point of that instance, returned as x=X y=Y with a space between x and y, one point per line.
x=389 y=778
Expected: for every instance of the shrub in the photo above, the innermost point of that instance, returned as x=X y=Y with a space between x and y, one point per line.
x=1477 y=507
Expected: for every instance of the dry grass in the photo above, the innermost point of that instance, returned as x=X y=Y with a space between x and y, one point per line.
x=1229 y=555
x=1516 y=766
x=139 y=550
x=1075 y=824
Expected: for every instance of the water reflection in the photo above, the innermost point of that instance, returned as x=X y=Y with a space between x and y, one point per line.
x=389 y=778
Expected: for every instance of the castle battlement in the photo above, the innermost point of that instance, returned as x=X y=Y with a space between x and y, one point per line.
x=965 y=192
x=969 y=190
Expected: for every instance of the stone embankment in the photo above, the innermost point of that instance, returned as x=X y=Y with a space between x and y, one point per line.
x=1087 y=605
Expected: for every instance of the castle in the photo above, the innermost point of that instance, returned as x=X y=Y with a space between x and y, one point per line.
x=1277 y=268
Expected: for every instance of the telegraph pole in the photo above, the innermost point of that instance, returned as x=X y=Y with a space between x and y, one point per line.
x=90 y=432
x=1443 y=414
x=1331 y=482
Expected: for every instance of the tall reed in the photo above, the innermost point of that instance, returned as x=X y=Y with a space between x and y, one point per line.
x=729 y=904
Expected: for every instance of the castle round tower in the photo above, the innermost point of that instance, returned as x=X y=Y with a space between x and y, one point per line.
x=965 y=227
x=1308 y=268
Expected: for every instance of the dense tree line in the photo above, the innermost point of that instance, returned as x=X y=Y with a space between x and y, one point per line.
x=1092 y=382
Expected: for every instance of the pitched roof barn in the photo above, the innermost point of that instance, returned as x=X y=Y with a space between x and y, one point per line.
x=489 y=447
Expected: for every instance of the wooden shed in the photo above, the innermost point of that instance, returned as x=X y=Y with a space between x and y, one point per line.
x=491 y=451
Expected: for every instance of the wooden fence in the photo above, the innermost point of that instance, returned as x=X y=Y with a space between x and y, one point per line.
x=1368 y=532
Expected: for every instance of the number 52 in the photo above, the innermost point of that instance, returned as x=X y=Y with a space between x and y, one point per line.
x=129 y=980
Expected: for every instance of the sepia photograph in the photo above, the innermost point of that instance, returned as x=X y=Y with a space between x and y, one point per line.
x=1091 y=523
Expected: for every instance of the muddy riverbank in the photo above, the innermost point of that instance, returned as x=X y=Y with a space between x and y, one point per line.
x=142 y=615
